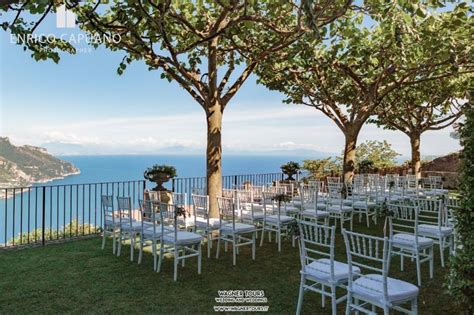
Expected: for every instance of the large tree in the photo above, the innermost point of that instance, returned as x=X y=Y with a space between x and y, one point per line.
x=210 y=48
x=415 y=109
x=366 y=56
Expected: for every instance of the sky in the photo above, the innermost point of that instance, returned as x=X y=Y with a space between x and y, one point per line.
x=81 y=106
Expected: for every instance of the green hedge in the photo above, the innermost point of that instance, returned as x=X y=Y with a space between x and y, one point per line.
x=72 y=229
x=461 y=277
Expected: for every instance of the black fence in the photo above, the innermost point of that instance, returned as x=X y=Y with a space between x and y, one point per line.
x=40 y=214
x=187 y=184
x=47 y=213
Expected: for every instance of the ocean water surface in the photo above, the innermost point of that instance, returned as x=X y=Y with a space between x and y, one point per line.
x=68 y=199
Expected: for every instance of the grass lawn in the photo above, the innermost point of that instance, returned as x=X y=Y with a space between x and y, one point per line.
x=78 y=277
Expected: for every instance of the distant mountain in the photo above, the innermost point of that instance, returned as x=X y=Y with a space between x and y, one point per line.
x=25 y=165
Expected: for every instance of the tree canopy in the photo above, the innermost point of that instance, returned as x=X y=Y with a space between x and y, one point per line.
x=367 y=55
x=380 y=153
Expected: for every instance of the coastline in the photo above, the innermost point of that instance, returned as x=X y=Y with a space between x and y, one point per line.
x=29 y=185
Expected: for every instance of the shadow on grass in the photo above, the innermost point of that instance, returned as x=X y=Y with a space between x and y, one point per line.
x=79 y=277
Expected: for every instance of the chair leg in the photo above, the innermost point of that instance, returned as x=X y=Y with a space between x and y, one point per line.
x=114 y=240
x=103 y=239
x=348 y=303
x=140 y=253
x=441 y=250
x=209 y=243
x=333 y=300
x=234 y=253
x=418 y=272
x=153 y=248
x=431 y=262
x=323 y=297
x=199 y=258
x=218 y=246
x=160 y=261
x=401 y=260
x=300 y=296
x=279 y=239
x=414 y=306
x=254 y=235
x=175 y=269
x=386 y=310
x=132 y=244
x=183 y=260
x=367 y=216
x=120 y=244
x=263 y=236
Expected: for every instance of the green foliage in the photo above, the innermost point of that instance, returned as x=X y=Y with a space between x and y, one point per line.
x=160 y=174
x=461 y=276
x=322 y=167
x=291 y=168
x=73 y=229
x=375 y=154
x=366 y=166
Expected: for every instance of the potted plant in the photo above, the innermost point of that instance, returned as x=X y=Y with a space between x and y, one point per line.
x=289 y=169
x=159 y=174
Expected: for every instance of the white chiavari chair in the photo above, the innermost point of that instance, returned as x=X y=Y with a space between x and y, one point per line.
x=111 y=221
x=203 y=224
x=232 y=231
x=275 y=218
x=375 y=289
x=432 y=223
x=405 y=238
x=181 y=244
x=320 y=273
x=338 y=206
x=311 y=208
x=129 y=227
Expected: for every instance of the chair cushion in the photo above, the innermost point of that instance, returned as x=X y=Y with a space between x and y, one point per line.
x=213 y=222
x=338 y=208
x=319 y=205
x=371 y=287
x=148 y=232
x=257 y=215
x=110 y=223
x=363 y=204
x=239 y=228
x=135 y=226
x=311 y=213
x=321 y=270
x=183 y=238
x=434 y=230
x=408 y=240
x=283 y=218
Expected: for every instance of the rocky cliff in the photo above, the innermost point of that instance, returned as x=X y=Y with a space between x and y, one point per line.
x=25 y=165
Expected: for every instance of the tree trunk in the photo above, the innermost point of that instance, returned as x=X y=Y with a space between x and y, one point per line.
x=415 y=154
x=214 y=158
x=349 y=161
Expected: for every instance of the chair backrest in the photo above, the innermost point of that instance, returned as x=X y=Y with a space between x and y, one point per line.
x=309 y=197
x=316 y=242
x=226 y=210
x=201 y=191
x=335 y=191
x=368 y=253
x=403 y=219
x=431 y=211
x=436 y=182
x=200 y=206
x=107 y=203
x=228 y=193
x=149 y=210
x=154 y=195
x=169 y=217
x=179 y=199
x=125 y=210
x=333 y=180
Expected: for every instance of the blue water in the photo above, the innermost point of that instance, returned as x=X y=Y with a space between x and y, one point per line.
x=81 y=203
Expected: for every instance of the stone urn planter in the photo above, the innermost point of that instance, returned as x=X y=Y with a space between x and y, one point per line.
x=160 y=174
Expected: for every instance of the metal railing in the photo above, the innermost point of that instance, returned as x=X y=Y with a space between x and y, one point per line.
x=187 y=184
x=40 y=214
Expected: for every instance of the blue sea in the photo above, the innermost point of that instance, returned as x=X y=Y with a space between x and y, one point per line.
x=64 y=203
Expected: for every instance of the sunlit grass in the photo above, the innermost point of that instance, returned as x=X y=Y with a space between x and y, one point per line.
x=79 y=277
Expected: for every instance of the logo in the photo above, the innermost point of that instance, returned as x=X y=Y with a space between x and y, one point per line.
x=65 y=18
